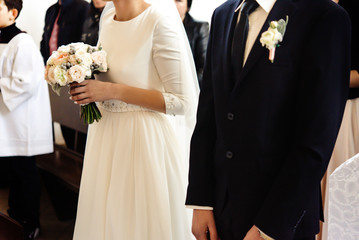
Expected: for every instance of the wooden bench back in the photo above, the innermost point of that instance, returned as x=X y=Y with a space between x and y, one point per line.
x=65 y=163
x=65 y=112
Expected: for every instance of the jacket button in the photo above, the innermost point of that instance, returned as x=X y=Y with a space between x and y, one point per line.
x=229 y=154
x=230 y=116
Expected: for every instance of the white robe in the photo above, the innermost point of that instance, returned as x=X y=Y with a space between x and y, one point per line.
x=25 y=114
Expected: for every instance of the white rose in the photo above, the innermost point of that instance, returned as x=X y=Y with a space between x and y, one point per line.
x=277 y=35
x=267 y=39
x=273 y=24
x=64 y=48
x=99 y=58
x=270 y=38
x=83 y=57
x=77 y=73
x=88 y=72
x=60 y=76
x=77 y=45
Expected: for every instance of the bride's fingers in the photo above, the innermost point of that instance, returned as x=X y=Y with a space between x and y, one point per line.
x=83 y=101
x=77 y=90
x=84 y=82
x=74 y=85
x=79 y=97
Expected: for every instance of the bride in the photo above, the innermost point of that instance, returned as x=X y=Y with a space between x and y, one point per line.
x=135 y=167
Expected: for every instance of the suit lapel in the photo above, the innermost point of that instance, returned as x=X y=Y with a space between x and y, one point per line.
x=230 y=21
x=280 y=10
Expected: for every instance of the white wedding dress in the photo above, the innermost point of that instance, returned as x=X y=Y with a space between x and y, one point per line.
x=135 y=168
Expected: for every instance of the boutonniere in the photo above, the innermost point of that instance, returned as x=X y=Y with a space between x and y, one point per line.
x=273 y=36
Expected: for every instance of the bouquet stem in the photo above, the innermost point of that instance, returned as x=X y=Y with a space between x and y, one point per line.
x=90 y=113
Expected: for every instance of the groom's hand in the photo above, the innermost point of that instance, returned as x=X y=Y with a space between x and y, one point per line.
x=203 y=225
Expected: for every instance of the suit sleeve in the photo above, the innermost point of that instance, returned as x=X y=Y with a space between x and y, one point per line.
x=322 y=91
x=44 y=44
x=200 y=190
x=200 y=50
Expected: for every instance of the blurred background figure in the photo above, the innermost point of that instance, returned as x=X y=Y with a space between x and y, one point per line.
x=197 y=33
x=25 y=118
x=63 y=25
x=91 y=24
x=347 y=143
x=64 y=21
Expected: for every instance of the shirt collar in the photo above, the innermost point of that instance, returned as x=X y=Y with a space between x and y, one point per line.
x=7 y=33
x=265 y=4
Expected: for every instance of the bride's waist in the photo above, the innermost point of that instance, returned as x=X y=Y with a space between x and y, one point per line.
x=119 y=106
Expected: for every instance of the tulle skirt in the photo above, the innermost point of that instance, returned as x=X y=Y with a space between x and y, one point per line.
x=133 y=180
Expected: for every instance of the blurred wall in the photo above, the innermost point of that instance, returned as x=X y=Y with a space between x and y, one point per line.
x=32 y=16
x=203 y=9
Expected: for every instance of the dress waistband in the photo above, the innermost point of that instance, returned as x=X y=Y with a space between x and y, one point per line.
x=119 y=106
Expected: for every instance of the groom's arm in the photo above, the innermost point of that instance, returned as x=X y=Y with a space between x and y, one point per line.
x=322 y=93
x=200 y=190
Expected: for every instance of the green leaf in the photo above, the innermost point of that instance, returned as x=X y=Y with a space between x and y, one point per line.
x=282 y=25
x=56 y=88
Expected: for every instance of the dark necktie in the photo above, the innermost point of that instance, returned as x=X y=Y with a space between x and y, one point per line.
x=240 y=36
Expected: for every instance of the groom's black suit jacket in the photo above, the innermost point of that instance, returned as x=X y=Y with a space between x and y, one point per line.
x=260 y=148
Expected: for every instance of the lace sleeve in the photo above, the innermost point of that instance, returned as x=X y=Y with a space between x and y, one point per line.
x=173 y=104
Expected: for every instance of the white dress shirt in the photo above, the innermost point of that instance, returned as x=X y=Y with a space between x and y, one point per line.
x=256 y=20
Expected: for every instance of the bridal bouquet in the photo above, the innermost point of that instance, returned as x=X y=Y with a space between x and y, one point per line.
x=76 y=62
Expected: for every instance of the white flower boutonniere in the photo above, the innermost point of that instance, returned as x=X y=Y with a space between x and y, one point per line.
x=273 y=36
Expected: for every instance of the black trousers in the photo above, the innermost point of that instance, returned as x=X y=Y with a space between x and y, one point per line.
x=25 y=189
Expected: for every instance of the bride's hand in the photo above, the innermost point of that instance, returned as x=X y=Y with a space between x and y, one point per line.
x=89 y=91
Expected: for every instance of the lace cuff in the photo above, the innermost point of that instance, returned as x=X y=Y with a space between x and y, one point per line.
x=174 y=105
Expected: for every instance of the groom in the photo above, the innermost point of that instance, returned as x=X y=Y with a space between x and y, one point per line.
x=266 y=128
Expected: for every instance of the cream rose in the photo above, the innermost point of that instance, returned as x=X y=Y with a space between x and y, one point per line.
x=77 y=73
x=83 y=57
x=72 y=59
x=54 y=55
x=99 y=58
x=51 y=75
x=60 y=58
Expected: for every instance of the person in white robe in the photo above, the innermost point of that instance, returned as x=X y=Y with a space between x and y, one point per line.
x=25 y=117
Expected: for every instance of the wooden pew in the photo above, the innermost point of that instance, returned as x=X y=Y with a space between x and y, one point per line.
x=61 y=170
x=10 y=229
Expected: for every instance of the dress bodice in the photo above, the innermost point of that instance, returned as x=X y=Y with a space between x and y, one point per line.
x=143 y=53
